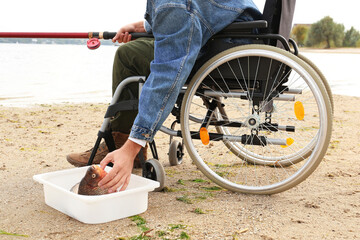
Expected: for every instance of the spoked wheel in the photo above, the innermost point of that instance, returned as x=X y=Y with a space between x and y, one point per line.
x=175 y=153
x=256 y=119
x=155 y=171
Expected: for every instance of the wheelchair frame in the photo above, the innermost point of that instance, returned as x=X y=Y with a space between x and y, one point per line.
x=217 y=117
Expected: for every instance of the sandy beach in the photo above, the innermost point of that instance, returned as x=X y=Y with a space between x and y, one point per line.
x=331 y=50
x=36 y=140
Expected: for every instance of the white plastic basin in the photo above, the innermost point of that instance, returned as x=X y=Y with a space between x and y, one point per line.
x=94 y=209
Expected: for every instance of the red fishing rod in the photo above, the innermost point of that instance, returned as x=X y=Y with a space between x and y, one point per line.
x=92 y=43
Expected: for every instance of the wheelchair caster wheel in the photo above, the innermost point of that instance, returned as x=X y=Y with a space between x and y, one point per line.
x=175 y=153
x=155 y=171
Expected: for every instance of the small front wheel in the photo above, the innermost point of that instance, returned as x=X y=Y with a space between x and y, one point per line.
x=155 y=171
x=175 y=153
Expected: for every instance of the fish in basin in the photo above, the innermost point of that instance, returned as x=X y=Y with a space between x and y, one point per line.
x=89 y=183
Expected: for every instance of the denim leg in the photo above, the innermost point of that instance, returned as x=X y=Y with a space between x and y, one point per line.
x=177 y=45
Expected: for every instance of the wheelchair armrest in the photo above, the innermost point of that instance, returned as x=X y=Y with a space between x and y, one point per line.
x=244 y=26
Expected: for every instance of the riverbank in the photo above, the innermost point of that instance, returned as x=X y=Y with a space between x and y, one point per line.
x=36 y=139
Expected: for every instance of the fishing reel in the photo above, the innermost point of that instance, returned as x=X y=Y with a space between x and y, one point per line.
x=93 y=43
x=94 y=38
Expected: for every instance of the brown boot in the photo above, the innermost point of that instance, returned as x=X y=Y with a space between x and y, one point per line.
x=81 y=159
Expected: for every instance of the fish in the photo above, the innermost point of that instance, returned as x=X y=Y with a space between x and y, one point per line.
x=89 y=183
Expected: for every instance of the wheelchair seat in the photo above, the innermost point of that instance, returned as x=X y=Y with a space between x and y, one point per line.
x=273 y=29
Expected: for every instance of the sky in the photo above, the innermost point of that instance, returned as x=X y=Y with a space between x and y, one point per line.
x=110 y=15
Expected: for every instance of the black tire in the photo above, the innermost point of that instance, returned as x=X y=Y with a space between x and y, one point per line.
x=155 y=171
x=175 y=153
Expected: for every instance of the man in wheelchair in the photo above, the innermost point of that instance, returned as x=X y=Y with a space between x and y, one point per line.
x=180 y=29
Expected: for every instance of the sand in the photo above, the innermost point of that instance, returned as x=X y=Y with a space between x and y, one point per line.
x=331 y=50
x=36 y=139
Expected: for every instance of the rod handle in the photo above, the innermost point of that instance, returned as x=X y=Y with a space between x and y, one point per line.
x=111 y=35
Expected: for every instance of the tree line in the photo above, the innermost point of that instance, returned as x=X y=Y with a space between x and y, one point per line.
x=325 y=34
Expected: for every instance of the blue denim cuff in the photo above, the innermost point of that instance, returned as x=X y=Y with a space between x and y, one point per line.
x=147 y=27
x=141 y=133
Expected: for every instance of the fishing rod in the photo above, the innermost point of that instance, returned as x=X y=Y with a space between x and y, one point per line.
x=92 y=43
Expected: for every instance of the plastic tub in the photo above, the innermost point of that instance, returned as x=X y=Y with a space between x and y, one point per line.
x=94 y=209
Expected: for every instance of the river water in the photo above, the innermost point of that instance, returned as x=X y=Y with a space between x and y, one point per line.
x=46 y=74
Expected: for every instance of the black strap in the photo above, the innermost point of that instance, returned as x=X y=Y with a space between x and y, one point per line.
x=128 y=105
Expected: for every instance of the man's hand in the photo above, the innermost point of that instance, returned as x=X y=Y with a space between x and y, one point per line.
x=124 y=36
x=123 y=160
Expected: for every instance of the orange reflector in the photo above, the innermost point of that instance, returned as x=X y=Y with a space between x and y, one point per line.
x=289 y=142
x=204 y=136
x=299 y=110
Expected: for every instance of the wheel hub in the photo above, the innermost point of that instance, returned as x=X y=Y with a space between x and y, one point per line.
x=252 y=121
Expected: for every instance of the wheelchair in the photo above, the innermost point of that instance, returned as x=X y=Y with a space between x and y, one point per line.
x=254 y=118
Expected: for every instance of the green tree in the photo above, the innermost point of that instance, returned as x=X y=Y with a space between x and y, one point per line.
x=299 y=34
x=351 y=38
x=326 y=30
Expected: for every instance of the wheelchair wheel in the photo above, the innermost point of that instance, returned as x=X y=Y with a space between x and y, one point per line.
x=155 y=171
x=175 y=153
x=323 y=79
x=256 y=119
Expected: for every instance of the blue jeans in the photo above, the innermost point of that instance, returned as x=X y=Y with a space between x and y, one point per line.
x=180 y=29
